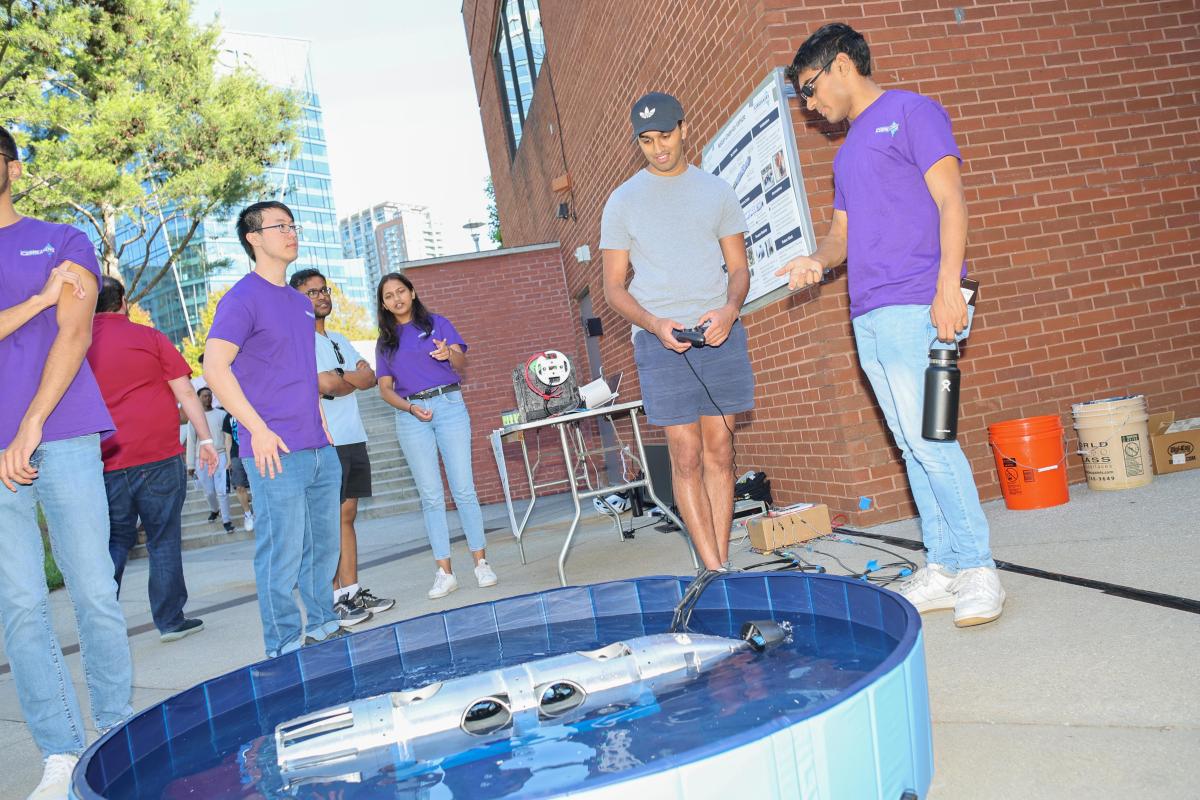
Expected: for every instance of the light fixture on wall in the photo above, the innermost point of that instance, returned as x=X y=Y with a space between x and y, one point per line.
x=564 y=211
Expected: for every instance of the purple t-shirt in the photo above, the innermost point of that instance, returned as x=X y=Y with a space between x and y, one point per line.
x=276 y=364
x=29 y=249
x=410 y=366
x=894 y=238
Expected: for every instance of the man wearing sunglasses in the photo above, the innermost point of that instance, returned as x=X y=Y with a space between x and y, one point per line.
x=52 y=419
x=259 y=360
x=900 y=223
x=341 y=373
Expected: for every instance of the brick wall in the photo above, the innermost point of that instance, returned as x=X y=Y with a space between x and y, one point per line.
x=1079 y=123
x=503 y=304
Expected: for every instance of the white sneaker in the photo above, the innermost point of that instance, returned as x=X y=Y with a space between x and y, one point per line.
x=248 y=521
x=979 y=596
x=443 y=584
x=929 y=589
x=485 y=576
x=56 y=779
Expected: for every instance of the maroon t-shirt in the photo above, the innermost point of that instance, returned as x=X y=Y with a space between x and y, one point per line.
x=132 y=363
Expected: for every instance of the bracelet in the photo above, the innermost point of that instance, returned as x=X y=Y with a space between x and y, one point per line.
x=203 y=442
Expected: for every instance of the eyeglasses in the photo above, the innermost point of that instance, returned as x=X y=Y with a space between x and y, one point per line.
x=284 y=228
x=314 y=293
x=808 y=88
x=337 y=351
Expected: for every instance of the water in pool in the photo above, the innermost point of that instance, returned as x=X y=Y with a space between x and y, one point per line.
x=236 y=758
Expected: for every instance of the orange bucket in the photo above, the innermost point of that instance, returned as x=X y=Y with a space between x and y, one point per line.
x=1031 y=460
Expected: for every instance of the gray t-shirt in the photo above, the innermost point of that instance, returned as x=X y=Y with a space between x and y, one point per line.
x=672 y=227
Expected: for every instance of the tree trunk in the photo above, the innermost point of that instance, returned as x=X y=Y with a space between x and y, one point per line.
x=108 y=245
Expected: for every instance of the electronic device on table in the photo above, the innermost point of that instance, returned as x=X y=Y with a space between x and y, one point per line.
x=545 y=386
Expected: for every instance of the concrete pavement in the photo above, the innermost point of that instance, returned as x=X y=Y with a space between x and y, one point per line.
x=1073 y=693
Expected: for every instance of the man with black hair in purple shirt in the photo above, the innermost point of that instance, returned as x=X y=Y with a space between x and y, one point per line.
x=260 y=361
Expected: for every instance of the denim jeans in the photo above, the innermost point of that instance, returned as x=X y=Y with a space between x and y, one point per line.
x=214 y=487
x=893 y=349
x=154 y=493
x=297 y=542
x=448 y=433
x=70 y=487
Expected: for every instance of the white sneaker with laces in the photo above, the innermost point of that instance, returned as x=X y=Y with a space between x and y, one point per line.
x=979 y=596
x=443 y=584
x=248 y=521
x=56 y=779
x=929 y=589
x=485 y=576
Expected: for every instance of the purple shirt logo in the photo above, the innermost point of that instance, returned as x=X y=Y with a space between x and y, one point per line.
x=895 y=126
x=48 y=250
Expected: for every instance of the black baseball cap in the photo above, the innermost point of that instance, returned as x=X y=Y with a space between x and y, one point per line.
x=656 y=111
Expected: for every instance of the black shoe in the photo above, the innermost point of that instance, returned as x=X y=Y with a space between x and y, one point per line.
x=213 y=515
x=350 y=614
x=188 y=627
x=339 y=633
x=228 y=526
x=376 y=605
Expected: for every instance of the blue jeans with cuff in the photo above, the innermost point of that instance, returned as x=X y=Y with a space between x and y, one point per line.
x=893 y=349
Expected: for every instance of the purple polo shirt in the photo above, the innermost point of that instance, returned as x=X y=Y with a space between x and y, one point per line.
x=410 y=366
x=276 y=363
x=894 y=233
x=29 y=249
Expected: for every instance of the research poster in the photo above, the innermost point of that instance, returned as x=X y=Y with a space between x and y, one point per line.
x=755 y=153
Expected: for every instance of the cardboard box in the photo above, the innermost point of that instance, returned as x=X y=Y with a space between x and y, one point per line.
x=1177 y=450
x=769 y=532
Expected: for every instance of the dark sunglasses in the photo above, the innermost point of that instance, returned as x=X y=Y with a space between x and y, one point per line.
x=337 y=351
x=808 y=88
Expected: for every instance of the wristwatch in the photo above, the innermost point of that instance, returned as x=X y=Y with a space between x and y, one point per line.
x=341 y=374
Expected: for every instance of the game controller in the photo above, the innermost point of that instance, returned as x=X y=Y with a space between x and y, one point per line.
x=693 y=336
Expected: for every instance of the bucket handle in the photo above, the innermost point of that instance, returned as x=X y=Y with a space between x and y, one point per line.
x=1055 y=465
x=1087 y=451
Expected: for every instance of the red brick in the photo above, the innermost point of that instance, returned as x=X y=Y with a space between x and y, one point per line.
x=1078 y=123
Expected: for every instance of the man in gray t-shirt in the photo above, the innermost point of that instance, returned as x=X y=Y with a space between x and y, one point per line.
x=682 y=231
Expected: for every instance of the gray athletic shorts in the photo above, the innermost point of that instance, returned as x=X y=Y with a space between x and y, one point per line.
x=237 y=475
x=673 y=384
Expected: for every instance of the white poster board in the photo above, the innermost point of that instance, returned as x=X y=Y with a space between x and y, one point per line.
x=755 y=153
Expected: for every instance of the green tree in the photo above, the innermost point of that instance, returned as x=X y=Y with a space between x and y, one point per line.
x=130 y=124
x=493 y=213
x=350 y=319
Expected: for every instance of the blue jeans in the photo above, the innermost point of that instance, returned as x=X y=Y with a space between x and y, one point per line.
x=297 y=542
x=70 y=488
x=448 y=433
x=154 y=493
x=893 y=349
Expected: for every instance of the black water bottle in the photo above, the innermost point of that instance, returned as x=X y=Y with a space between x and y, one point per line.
x=940 y=420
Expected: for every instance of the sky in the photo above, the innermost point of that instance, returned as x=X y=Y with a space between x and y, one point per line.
x=401 y=118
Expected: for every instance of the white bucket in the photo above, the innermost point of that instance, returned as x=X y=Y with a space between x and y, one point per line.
x=1114 y=441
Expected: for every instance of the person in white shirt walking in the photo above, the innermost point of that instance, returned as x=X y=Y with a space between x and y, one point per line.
x=212 y=484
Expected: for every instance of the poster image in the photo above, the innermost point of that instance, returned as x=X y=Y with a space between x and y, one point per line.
x=755 y=153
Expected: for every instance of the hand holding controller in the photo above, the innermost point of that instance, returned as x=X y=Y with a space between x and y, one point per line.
x=693 y=336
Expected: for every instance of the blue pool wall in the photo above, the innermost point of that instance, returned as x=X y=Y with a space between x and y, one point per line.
x=873 y=740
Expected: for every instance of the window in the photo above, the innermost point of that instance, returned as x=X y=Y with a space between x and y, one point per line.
x=520 y=48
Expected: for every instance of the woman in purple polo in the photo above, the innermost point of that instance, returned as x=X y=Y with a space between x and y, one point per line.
x=418 y=360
